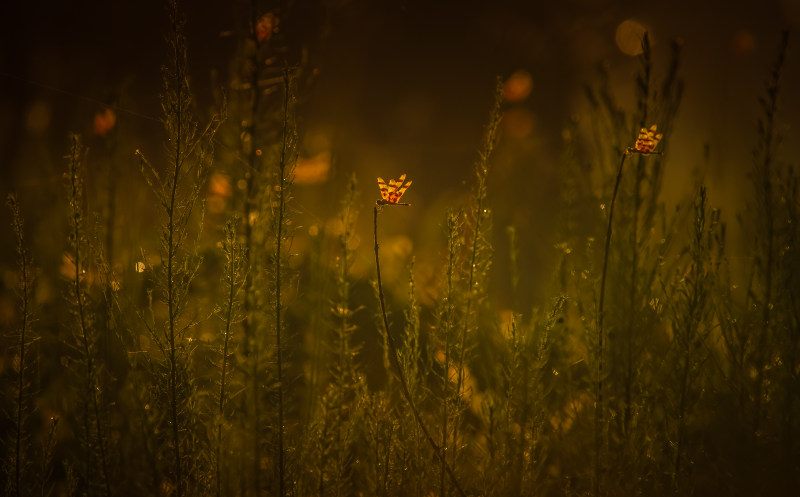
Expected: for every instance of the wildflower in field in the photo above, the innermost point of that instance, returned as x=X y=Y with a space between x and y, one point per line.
x=647 y=140
x=391 y=193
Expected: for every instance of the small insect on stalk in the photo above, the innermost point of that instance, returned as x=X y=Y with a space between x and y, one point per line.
x=390 y=195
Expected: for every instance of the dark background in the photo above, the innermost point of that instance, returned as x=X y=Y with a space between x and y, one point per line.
x=401 y=87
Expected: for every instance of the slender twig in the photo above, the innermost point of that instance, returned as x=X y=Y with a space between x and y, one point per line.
x=76 y=214
x=282 y=184
x=598 y=410
x=395 y=359
x=234 y=282
x=25 y=301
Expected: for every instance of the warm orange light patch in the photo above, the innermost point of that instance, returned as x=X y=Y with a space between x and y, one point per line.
x=518 y=86
x=629 y=36
x=104 y=122
x=312 y=169
x=219 y=189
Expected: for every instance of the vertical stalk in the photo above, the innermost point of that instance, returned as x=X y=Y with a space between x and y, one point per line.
x=25 y=298
x=395 y=360
x=76 y=221
x=278 y=265
x=173 y=375
x=598 y=412
x=231 y=278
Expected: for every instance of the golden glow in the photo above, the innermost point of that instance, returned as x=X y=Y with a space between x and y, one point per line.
x=104 y=122
x=313 y=169
x=629 y=36
x=518 y=86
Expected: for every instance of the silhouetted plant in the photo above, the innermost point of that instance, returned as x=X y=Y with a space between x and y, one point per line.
x=230 y=314
x=85 y=333
x=392 y=347
x=690 y=303
x=17 y=458
x=177 y=191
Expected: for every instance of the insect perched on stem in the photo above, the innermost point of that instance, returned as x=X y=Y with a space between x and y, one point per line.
x=391 y=193
x=647 y=140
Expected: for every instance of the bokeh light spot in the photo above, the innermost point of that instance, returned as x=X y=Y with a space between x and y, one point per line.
x=629 y=37
x=104 y=121
x=518 y=86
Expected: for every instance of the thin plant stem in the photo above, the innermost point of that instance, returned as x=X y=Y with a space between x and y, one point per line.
x=278 y=263
x=598 y=413
x=25 y=298
x=76 y=200
x=395 y=359
x=231 y=278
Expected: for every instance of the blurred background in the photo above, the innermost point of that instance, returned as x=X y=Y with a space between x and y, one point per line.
x=394 y=87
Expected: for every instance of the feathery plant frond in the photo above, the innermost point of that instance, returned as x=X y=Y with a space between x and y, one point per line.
x=17 y=457
x=446 y=326
x=692 y=310
x=415 y=364
x=281 y=233
x=765 y=178
x=230 y=314
x=337 y=412
x=394 y=357
x=189 y=153
x=85 y=332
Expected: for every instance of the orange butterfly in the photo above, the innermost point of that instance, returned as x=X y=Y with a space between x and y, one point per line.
x=391 y=193
x=647 y=140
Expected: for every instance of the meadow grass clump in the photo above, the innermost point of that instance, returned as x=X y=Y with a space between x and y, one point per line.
x=94 y=467
x=690 y=306
x=629 y=326
x=238 y=358
x=18 y=466
x=759 y=327
x=336 y=414
x=177 y=191
x=230 y=313
x=281 y=233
